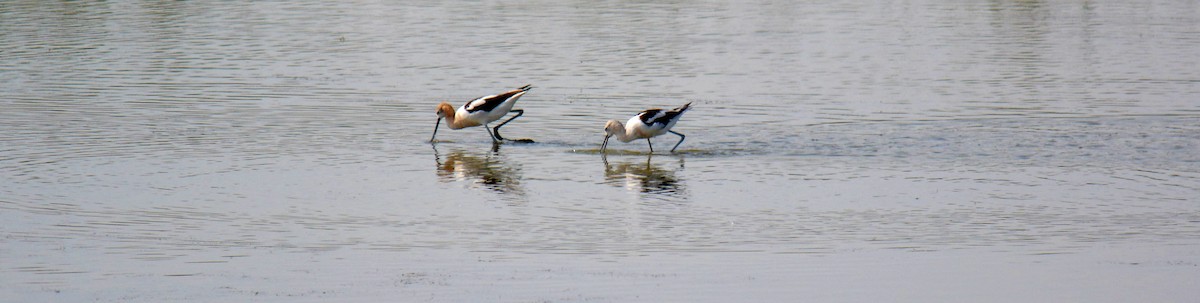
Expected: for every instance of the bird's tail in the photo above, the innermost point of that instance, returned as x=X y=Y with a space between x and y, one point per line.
x=526 y=88
x=683 y=108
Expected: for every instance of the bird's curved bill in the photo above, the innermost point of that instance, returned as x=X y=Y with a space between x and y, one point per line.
x=435 y=129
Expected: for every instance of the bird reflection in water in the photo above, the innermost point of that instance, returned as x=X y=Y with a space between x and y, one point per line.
x=487 y=170
x=644 y=177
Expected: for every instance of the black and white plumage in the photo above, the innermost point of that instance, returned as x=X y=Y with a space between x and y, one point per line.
x=481 y=111
x=645 y=125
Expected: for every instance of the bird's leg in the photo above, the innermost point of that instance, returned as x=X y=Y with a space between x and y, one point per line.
x=497 y=129
x=490 y=134
x=650 y=144
x=681 y=137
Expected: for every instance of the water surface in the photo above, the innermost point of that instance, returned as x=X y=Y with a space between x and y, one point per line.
x=896 y=151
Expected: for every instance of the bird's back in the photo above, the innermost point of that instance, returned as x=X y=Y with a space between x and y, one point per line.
x=655 y=121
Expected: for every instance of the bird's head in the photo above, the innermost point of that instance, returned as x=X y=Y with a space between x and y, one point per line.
x=613 y=127
x=444 y=110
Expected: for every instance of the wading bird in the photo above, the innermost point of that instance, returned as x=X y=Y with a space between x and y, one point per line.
x=649 y=123
x=481 y=111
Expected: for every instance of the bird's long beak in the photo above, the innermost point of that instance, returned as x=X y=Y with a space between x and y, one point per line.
x=605 y=144
x=435 y=128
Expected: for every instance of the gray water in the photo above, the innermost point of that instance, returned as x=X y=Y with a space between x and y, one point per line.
x=1040 y=151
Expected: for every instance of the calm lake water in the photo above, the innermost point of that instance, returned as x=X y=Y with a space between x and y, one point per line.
x=1028 y=151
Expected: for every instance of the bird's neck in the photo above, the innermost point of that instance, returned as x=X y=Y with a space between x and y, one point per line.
x=625 y=138
x=452 y=121
x=624 y=135
x=457 y=122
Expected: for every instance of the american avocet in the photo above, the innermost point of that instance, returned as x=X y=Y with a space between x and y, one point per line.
x=481 y=111
x=649 y=123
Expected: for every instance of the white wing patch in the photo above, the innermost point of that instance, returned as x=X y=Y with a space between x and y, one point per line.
x=652 y=116
x=474 y=104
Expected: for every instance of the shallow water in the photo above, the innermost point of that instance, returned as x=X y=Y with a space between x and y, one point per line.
x=909 y=151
